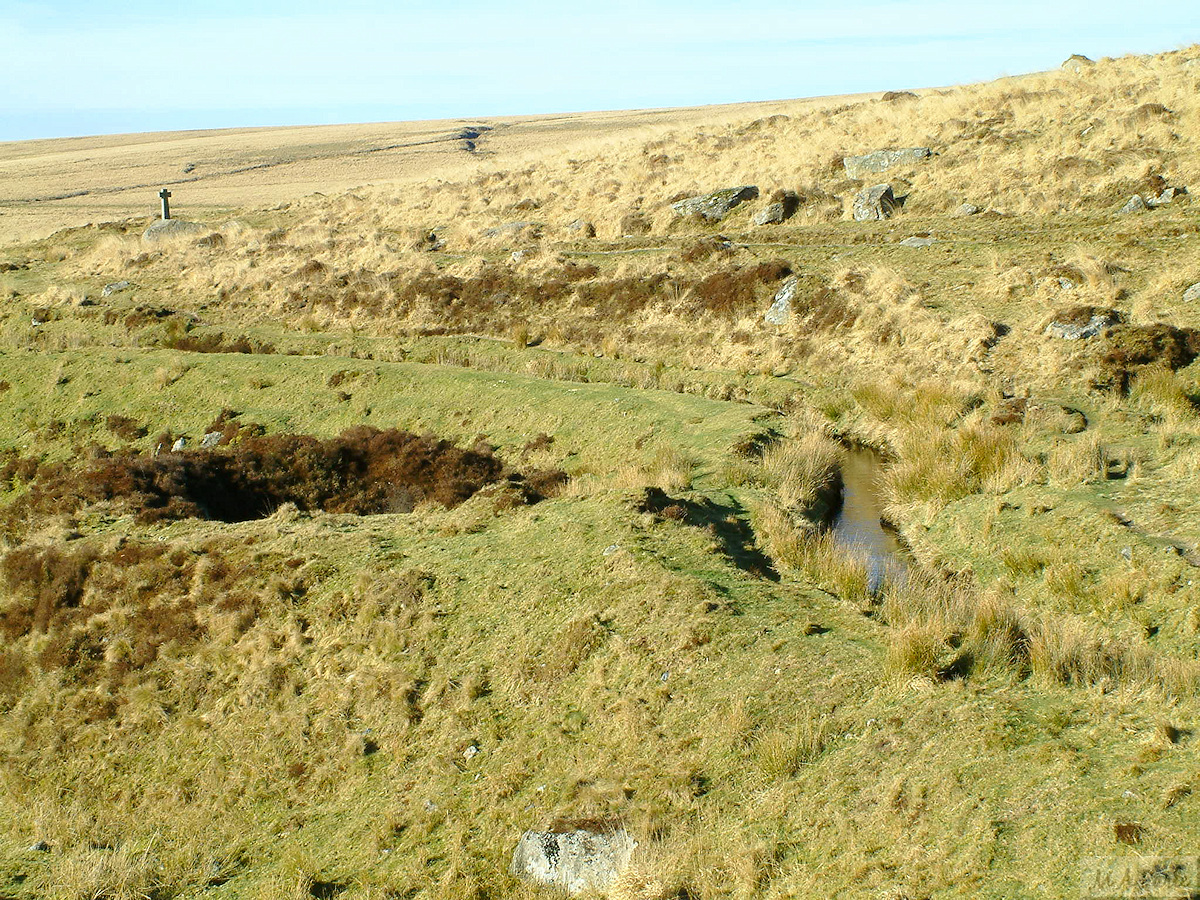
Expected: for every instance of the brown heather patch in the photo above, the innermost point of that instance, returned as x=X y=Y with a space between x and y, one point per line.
x=216 y=342
x=51 y=581
x=364 y=471
x=495 y=298
x=1129 y=348
x=14 y=468
x=125 y=428
x=735 y=290
x=108 y=614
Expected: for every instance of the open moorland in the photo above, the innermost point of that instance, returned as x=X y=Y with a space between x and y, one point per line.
x=424 y=485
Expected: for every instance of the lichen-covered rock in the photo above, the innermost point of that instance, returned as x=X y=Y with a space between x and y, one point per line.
x=1080 y=322
x=771 y=214
x=1135 y=204
x=115 y=288
x=860 y=167
x=782 y=207
x=780 y=312
x=1192 y=294
x=715 y=206
x=1167 y=195
x=874 y=203
x=575 y=861
x=967 y=209
x=917 y=242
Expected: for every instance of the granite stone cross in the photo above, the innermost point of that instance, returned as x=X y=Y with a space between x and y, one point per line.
x=164 y=194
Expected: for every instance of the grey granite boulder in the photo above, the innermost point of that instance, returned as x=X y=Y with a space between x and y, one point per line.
x=861 y=167
x=115 y=288
x=771 y=214
x=1082 y=322
x=782 y=207
x=873 y=203
x=967 y=209
x=575 y=861
x=1192 y=294
x=917 y=242
x=715 y=206
x=1135 y=204
x=1167 y=196
x=781 y=308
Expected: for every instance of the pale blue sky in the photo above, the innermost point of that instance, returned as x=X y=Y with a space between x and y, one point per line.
x=72 y=67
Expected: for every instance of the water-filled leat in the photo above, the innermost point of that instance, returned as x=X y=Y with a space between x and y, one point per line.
x=857 y=526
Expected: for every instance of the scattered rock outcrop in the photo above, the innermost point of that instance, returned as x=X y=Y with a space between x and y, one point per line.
x=1140 y=203
x=780 y=312
x=861 y=167
x=575 y=861
x=715 y=206
x=874 y=203
x=771 y=214
x=1080 y=322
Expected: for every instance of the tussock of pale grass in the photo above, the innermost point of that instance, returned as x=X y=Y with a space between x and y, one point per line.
x=918 y=649
x=1070 y=651
x=950 y=464
x=931 y=403
x=783 y=751
x=1167 y=394
x=948 y=629
x=802 y=471
x=811 y=555
x=666 y=467
x=119 y=873
x=1082 y=460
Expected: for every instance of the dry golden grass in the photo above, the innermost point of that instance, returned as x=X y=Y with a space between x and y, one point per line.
x=291 y=703
x=802 y=471
x=46 y=185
